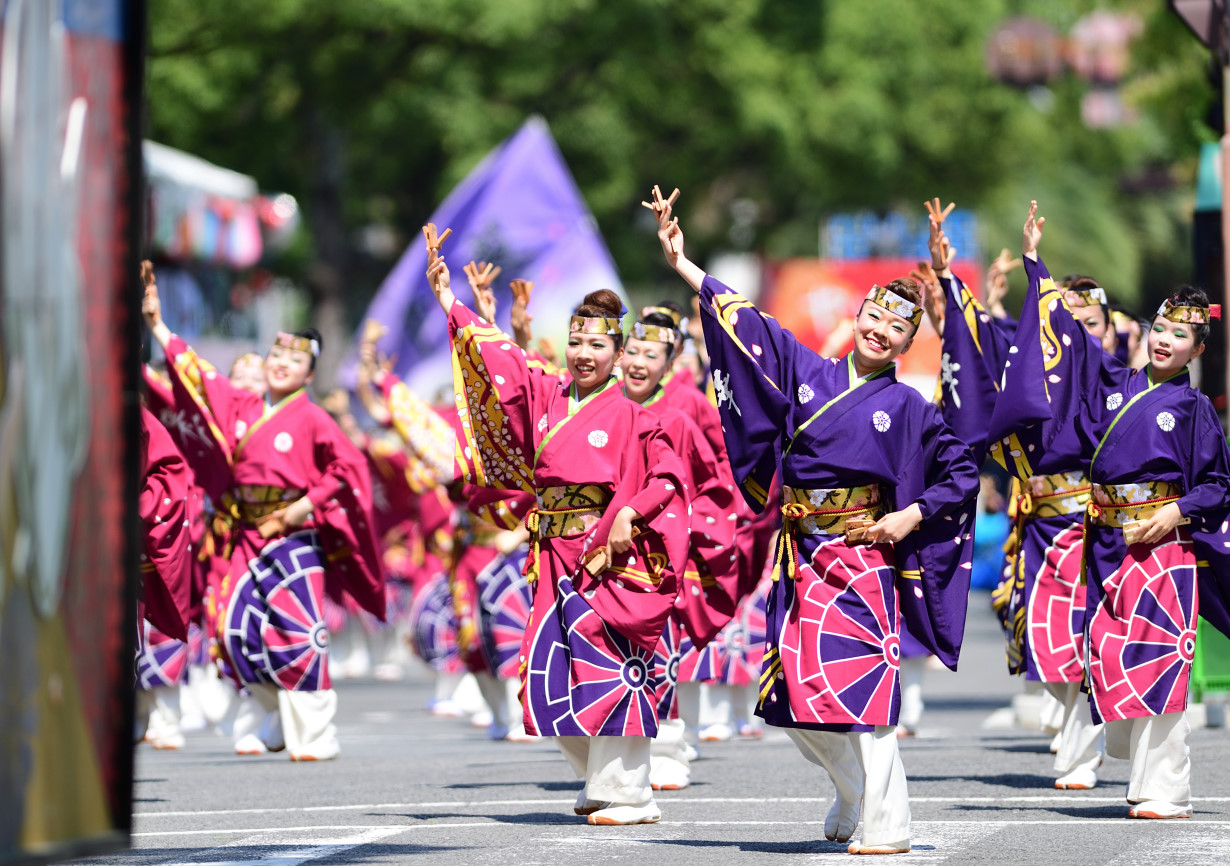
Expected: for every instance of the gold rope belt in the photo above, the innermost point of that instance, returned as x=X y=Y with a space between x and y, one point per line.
x=568 y=510
x=821 y=512
x=1054 y=495
x=1117 y=504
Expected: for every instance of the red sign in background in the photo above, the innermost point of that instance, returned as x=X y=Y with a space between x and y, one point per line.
x=818 y=299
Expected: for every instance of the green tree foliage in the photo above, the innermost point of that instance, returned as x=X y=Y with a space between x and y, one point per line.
x=371 y=111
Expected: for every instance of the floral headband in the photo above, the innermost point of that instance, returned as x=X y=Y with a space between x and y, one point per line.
x=894 y=303
x=595 y=325
x=1190 y=315
x=654 y=333
x=675 y=317
x=1092 y=295
x=299 y=344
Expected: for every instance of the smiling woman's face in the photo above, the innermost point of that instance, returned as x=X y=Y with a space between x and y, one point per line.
x=590 y=359
x=1171 y=346
x=287 y=370
x=880 y=336
x=644 y=364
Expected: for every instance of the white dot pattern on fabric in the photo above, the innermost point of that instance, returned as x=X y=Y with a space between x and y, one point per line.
x=542 y=424
x=283 y=443
x=241 y=427
x=1165 y=421
x=598 y=438
x=881 y=421
x=1114 y=401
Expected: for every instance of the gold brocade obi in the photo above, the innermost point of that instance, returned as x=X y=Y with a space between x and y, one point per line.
x=820 y=512
x=1054 y=495
x=572 y=509
x=826 y=512
x=1117 y=504
x=254 y=501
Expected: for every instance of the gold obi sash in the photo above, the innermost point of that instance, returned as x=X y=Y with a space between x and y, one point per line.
x=568 y=510
x=1054 y=495
x=1117 y=504
x=572 y=509
x=245 y=505
x=821 y=512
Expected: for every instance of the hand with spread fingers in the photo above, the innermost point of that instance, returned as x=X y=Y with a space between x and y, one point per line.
x=1032 y=234
x=942 y=253
x=481 y=276
x=437 y=271
x=670 y=235
x=997 y=282
x=519 y=315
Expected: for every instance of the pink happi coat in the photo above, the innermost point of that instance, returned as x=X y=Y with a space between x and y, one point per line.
x=587 y=657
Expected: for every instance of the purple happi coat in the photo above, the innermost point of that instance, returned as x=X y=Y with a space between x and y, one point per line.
x=1044 y=612
x=833 y=648
x=587 y=658
x=1142 y=601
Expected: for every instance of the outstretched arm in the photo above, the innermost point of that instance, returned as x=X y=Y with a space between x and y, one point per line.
x=671 y=238
x=151 y=309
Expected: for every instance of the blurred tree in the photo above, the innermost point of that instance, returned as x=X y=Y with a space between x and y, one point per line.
x=371 y=111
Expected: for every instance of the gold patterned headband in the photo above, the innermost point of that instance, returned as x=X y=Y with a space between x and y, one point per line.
x=299 y=344
x=894 y=303
x=595 y=325
x=1092 y=295
x=654 y=333
x=1188 y=314
x=665 y=311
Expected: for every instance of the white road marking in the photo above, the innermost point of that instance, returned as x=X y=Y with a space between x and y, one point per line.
x=666 y=801
x=389 y=830
x=316 y=850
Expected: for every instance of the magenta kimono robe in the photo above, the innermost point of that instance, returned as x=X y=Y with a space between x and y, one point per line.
x=1142 y=601
x=272 y=618
x=833 y=649
x=587 y=659
x=1045 y=614
x=709 y=593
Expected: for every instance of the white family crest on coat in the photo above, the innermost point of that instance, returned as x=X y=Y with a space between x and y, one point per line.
x=881 y=421
x=1114 y=401
x=597 y=438
x=1166 y=421
x=805 y=395
x=241 y=427
x=283 y=443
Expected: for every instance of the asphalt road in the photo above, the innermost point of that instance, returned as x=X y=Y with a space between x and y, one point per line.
x=412 y=788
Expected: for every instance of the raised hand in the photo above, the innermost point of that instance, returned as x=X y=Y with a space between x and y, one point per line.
x=519 y=314
x=997 y=281
x=437 y=270
x=151 y=306
x=1032 y=235
x=481 y=275
x=669 y=233
x=942 y=252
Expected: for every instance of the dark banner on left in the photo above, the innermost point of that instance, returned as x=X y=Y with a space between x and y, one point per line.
x=70 y=192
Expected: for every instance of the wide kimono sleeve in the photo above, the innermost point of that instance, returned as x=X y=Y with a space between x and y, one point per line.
x=934 y=562
x=752 y=360
x=342 y=496
x=974 y=348
x=207 y=406
x=1054 y=372
x=500 y=398
x=1207 y=503
x=166 y=563
x=430 y=440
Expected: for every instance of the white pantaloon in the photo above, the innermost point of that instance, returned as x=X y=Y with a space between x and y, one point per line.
x=1082 y=744
x=867 y=766
x=668 y=755
x=615 y=769
x=159 y=708
x=307 y=723
x=1157 y=749
x=911 y=691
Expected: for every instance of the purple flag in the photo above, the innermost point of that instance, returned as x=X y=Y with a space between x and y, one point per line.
x=519 y=208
